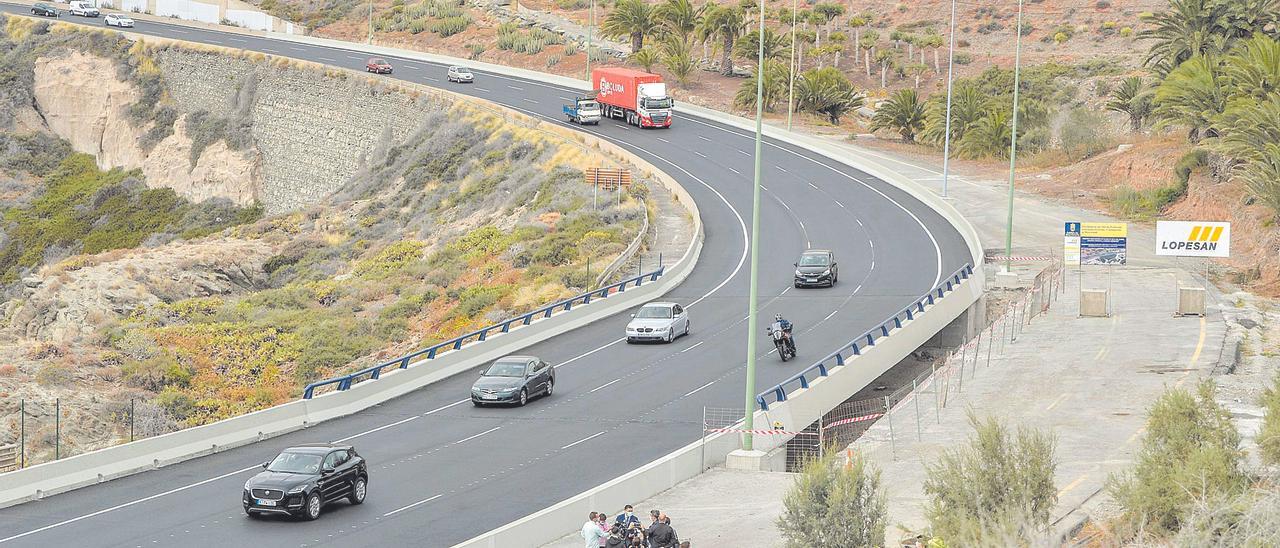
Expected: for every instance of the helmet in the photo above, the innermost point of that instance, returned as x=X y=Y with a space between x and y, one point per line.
x=777 y=317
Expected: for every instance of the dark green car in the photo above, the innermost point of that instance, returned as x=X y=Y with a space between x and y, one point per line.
x=44 y=10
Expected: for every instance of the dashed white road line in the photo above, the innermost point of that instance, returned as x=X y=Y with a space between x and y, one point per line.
x=517 y=89
x=690 y=393
x=326 y=59
x=459 y=402
x=841 y=205
x=419 y=503
x=704 y=138
x=480 y=89
x=582 y=440
x=469 y=438
x=692 y=347
x=735 y=171
x=782 y=169
x=234 y=39
x=833 y=313
x=664 y=140
x=815 y=187
x=742 y=152
x=603 y=385
x=700 y=154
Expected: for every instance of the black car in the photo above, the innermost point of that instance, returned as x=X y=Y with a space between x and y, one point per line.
x=44 y=10
x=302 y=480
x=513 y=379
x=817 y=267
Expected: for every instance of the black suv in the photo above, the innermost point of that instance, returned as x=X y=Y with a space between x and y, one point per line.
x=817 y=267
x=301 y=480
x=44 y=10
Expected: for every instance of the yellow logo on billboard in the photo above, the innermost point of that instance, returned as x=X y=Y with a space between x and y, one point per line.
x=1201 y=233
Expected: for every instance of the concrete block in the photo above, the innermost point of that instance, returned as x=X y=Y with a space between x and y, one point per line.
x=1190 y=301
x=1093 y=303
x=756 y=460
x=1007 y=280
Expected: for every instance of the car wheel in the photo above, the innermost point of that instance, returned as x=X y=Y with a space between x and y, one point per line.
x=312 y=509
x=524 y=396
x=670 y=336
x=358 y=490
x=686 y=328
x=630 y=340
x=551 y=384
x=476 y=403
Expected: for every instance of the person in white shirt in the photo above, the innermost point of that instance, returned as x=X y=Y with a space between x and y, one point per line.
x=591 y=532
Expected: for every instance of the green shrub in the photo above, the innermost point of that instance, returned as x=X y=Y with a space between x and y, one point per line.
x=1269 y=433
x=330 y=342
x=35 y=153
x=573 y=4
x=450 y=26
x=1190 y=453
x=476 y=299
x=1126 y=32
x=204 y=129
x=391 y=259
x=176 y=403
x=826 y=493
x=531 y=42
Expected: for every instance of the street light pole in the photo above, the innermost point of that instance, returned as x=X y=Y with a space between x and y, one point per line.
x=591 y=22
x=369 y=40
x=946 y=140
x=750 y=408
x=791 y=87
x=1013 y=140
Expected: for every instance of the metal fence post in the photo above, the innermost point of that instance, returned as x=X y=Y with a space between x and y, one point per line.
x=990 y=343
x=977 y=350
x=57 y=428
x=888 y=414
x=22 y=433
x=822 y=440
x=916 y=396
x=704 y=439
x=937 y=412
x=960 y=378
x=132 y=413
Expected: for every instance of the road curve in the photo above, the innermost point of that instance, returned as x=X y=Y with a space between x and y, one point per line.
x=442 y=471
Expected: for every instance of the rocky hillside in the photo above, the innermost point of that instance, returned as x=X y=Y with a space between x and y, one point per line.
x=194 y=234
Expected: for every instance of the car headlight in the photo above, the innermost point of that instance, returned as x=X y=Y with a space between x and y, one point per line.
x=798 y=273
x=246 y=485
x=298 y=489
x=826 y=272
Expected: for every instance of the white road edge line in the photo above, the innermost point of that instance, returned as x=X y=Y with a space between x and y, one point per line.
x=697 y=389
x=466 y=439
x=419 y=503
x=127 y=504
x=602 y=386
x=582 y=440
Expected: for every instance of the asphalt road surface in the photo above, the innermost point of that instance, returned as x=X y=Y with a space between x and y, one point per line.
x=442 y=471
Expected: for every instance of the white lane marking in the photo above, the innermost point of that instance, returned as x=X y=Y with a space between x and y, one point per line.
x=356 y=57
x=664 y=140
x=873 y=265
x=700 y=154
x=582 y=440
x=690 y=393
x=603 y=385
x=563 y=98
x=937 y=248
x=784 y=291
x=179 y=31
x=476 y=436
x=127 y=504
x=692 y=347
x=383 y=427
x=857 y=289
x=481 y=90
x=735 y=171
x=234 y=39
x=833 y=313
x=872 y=243
x=704 y=138
x=296 y=48
x=742 y=152
x=782 y=169
x=838 y=203
x=815 y=187
x=419 y=503
x=430 y=79
x=327 y=60
x=515 y=88
x=528 y=100
x=459 y=402
x=859 y=221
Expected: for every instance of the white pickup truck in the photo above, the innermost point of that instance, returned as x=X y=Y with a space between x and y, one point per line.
x=84 y=9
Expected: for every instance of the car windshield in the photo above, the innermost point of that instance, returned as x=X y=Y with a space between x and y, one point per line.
x=378 y=62
x=506 y=369
x=813 y=260
x=654 y=312
x=463 y=70
x=295 y=463
x=664 y=102
x=588 y=105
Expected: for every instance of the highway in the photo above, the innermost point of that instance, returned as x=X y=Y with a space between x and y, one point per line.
x=442 y=471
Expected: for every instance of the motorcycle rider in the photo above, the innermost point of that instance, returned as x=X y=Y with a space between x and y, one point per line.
x=781 y=324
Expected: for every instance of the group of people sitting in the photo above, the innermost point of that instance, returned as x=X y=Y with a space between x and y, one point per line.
x=627 y=532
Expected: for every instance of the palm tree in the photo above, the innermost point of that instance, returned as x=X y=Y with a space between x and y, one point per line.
x=630 y=18
x=828 y=12
x=677 y=56
x=1193 y=94
x=916 y=70
x=679 y=18
x=776 y=77
x=903 y=113
x=936 y=42
x=836 y=45
x=803 y=37
x=868 y=44
x=646 y=57
x=988 y=137
x=1254 y=68
x=827 y=91
x=858 y=22
x=775 y=45
x=968 y=105
x=1132 y=98
x=885 y=59
x=1189 y=28
x=725 y=23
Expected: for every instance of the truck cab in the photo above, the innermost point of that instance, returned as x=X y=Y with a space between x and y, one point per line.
x=584 y=110
x=653 y=107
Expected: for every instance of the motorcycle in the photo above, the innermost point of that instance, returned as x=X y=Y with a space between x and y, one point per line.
x=782 y=342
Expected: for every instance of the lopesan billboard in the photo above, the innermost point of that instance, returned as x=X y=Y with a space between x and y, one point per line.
x=1193 y=238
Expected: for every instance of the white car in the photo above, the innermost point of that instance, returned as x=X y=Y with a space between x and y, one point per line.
x=115 y=20
x=460 y=74
x=658 y=322
x=84 y=9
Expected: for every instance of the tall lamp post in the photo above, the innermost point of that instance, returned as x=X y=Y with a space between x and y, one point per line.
x=946 y=140
x=591 y=23
x=791 y=87
x=750 y=407
x=369 y=40
x=1013 y=140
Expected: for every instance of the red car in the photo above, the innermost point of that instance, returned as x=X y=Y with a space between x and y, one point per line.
x=378 y=66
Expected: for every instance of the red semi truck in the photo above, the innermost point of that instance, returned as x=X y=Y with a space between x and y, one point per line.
x=638 y=97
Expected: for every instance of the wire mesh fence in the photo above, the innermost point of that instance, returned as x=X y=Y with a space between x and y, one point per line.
x=43 y=430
